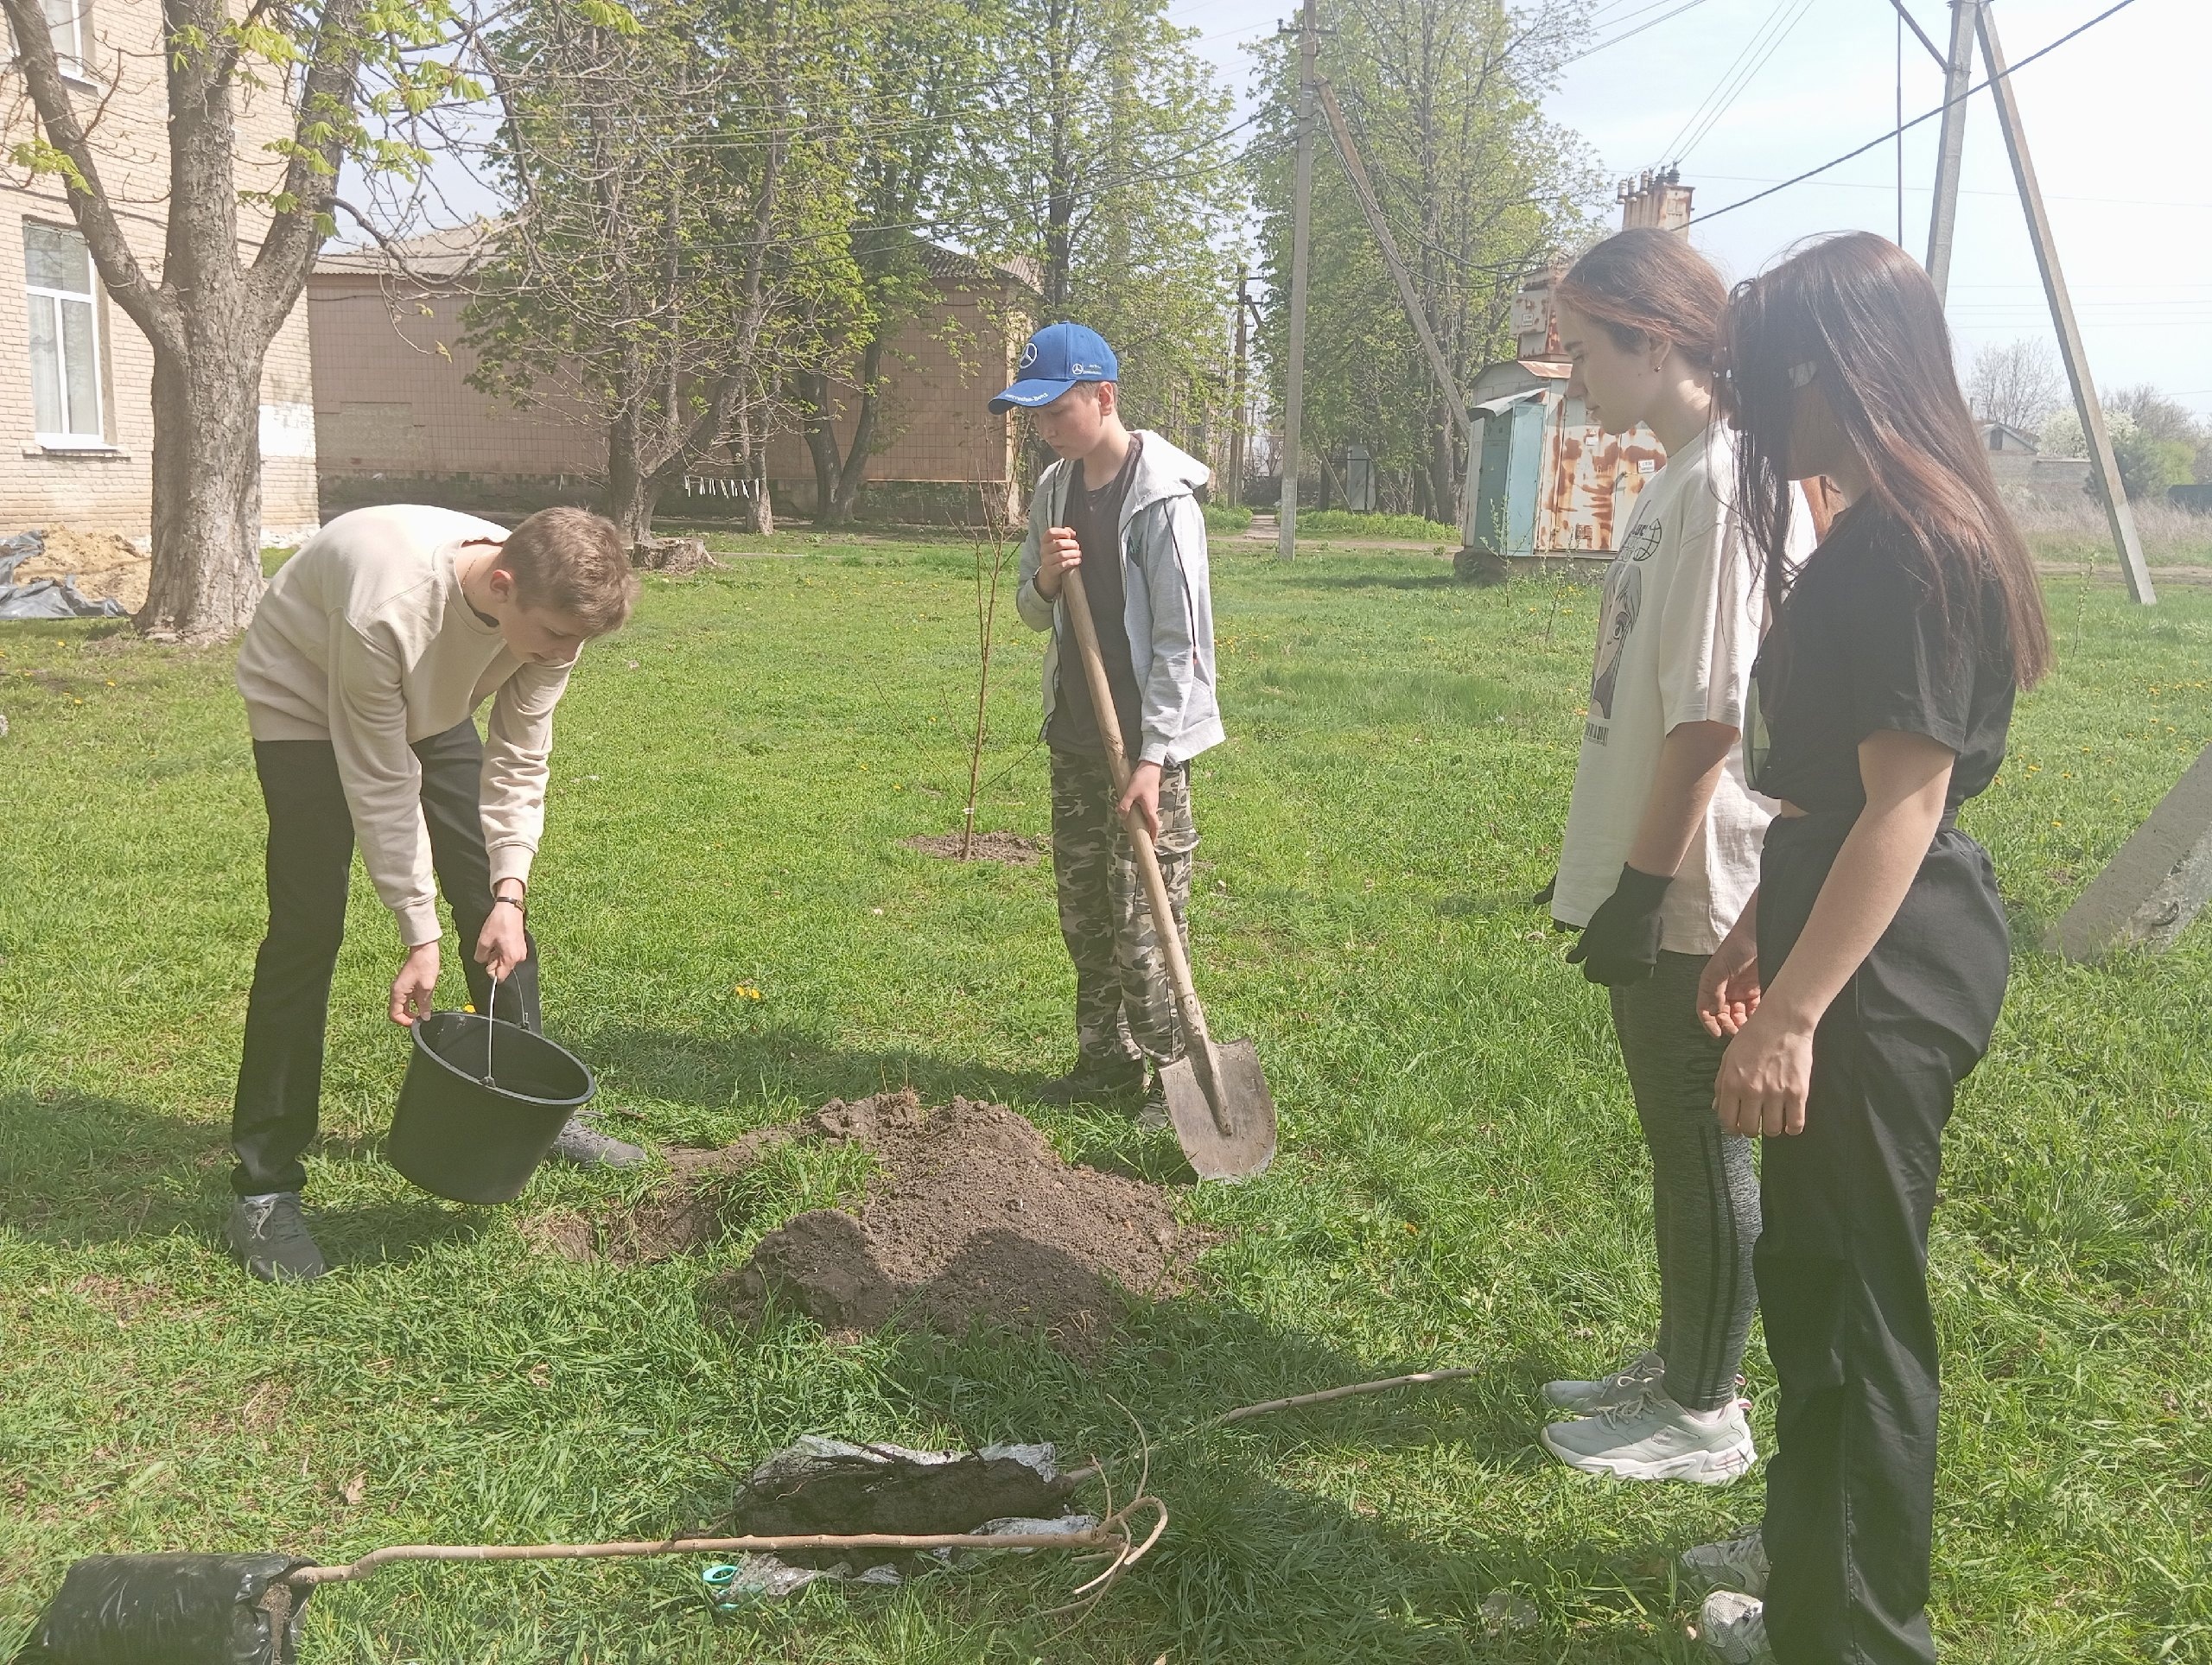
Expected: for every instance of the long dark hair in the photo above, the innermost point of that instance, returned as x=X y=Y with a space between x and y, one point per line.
x=1645 y=285
x=1860 y=312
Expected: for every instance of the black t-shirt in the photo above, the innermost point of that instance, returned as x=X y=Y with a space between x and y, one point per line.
x=1860 y=645
x=1096 y=518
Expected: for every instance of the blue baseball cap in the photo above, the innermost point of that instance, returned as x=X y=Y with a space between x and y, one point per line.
x=1055 y=359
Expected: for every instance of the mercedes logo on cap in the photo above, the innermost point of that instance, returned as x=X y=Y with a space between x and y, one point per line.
x=1028 y=356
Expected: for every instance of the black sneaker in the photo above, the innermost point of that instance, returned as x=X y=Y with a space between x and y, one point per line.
x=585 y=1147
x=272 y=1240
x=1095 y=1081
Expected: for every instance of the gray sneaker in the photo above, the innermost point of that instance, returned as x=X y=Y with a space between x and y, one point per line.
x=1737 y=1564
x=585 y=1147
x=1624 y=1386
x=1733 y=1626
x=270 y=1239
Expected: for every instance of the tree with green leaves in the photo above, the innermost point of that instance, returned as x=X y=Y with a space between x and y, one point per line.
x=676 y=236
x=1443 y=98
x=915 y=77
x=234 y=259
x=1107 y=166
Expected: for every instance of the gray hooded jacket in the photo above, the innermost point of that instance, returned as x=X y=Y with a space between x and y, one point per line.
x=1167 y=608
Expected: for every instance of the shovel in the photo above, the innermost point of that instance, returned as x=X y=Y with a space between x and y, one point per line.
x=1218 y=1097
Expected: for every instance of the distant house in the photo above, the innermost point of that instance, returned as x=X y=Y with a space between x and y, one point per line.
x=396 y=419
x=2024 y=473
x=2006 y=440
x=77 y=386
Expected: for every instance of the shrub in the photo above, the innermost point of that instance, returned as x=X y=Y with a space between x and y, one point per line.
x=1344 y=523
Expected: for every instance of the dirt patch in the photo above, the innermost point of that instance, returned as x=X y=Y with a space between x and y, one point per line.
x=973 y=1219
x=1010 y=847
x=693 y=1210
x=105 y=565
x=676 y=556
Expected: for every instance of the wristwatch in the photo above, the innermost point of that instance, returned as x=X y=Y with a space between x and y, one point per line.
x=514 y=902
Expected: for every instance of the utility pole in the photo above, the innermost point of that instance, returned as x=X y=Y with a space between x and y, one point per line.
x=1958 y=75
x=1301 y=236
x=2110 y=488
x=1237 y=398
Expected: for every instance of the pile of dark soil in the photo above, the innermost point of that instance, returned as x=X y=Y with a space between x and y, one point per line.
x=1013 y=848
x=973 y=1219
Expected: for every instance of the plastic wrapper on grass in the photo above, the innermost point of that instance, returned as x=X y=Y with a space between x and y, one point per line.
x=819 y=1485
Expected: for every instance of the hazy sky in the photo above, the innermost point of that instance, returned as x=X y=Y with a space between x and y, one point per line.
x=2115 y=120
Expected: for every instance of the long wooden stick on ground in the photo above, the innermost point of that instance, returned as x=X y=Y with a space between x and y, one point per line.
x=1417 y=1379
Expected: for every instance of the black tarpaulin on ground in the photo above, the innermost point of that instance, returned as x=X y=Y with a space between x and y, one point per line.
x=172 y=1609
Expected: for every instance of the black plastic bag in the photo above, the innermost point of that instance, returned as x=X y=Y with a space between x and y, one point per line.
x=172 y=1609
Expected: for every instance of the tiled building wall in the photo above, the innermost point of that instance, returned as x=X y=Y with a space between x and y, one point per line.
x=109 y=489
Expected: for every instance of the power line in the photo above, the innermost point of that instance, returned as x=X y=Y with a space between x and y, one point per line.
x=1626 y=34
x=1904 y=127
x=1736 y=79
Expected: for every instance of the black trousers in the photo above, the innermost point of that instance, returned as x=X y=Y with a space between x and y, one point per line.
x=1842 y=1262
x=311 y=855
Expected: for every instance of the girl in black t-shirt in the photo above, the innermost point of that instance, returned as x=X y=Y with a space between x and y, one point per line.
x=1865 y=979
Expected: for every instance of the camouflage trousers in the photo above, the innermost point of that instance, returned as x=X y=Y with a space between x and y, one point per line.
x=1124 y=1009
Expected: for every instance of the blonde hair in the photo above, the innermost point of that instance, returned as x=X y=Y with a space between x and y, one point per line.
x=572 y=562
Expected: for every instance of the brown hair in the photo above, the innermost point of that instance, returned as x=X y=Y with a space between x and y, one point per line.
x=1860 y=312
x=573 y=561
x=1648 y=285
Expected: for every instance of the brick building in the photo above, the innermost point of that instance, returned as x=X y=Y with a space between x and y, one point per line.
x=396 y=419
x=75 y=384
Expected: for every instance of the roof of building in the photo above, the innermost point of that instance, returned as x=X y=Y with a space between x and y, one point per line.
x=2026 y=439
x=454 y=251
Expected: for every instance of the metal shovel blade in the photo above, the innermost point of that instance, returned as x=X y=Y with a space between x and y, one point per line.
x=1242 y=1149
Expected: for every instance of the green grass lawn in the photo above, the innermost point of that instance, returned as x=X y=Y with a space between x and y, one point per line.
x=1460 y=1182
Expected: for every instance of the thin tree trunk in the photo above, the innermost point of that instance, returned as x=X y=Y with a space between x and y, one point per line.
x=820 y=432
x=631 y=489
x=1444 y=484
x=851 y=474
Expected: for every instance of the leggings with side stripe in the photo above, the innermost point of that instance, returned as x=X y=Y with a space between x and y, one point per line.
x=1705 y=1186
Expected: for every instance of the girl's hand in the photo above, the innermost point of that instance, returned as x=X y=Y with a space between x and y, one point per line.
x=1728 y=987
x=1764 y=1077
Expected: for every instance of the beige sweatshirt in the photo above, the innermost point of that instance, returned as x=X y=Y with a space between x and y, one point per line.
x=364 y=639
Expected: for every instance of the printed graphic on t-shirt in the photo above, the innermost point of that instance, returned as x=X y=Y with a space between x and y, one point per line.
x=1624 y=605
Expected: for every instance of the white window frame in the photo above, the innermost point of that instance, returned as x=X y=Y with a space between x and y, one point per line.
x=76 y=62
x=97 y=439
x=74 y=59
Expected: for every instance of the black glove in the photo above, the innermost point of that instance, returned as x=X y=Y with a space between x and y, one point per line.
x=1543 y=897
x=1621 y=943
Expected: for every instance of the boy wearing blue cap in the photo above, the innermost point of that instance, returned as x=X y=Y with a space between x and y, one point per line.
x=1119 y=506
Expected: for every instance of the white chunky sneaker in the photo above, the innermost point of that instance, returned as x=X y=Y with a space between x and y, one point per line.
x=1733 y=1626
x=1654 y=1438
x=1737 y=1564
x=1623 y=1386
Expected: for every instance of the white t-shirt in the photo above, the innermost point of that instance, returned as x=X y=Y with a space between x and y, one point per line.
x=1676 y=636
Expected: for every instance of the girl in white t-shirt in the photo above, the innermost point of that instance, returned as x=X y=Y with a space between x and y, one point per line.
x=1662 y=847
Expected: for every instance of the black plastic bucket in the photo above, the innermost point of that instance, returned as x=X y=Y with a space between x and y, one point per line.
x=462 y=1139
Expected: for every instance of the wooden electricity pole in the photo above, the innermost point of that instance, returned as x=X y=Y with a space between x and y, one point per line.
x=1302 y=234
x=2118 y=513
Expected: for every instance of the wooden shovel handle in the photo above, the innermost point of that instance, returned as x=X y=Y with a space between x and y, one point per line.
x=1199 y=1042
